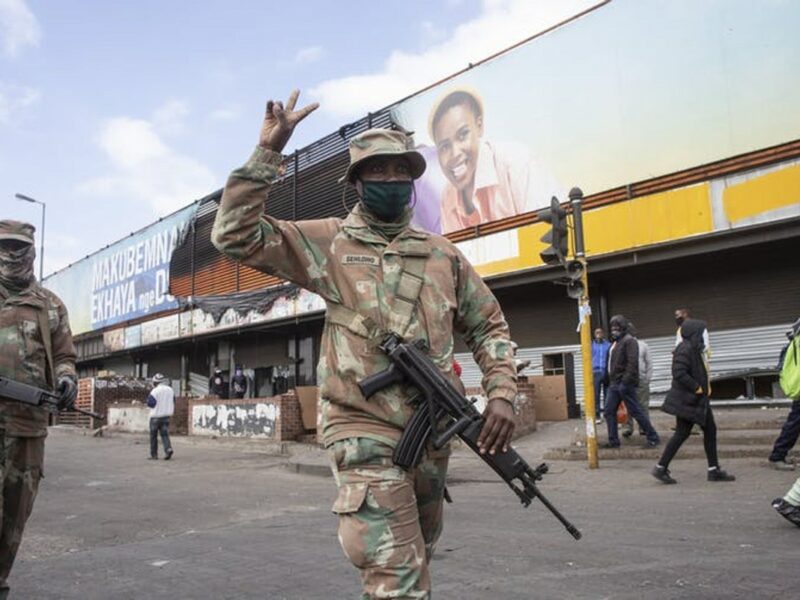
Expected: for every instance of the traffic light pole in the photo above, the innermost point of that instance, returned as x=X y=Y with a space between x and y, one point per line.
x=584 y=316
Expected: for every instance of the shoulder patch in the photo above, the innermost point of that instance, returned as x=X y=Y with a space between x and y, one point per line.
x=360 y=259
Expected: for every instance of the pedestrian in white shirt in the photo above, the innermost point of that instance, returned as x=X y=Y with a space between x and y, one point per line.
x=162 y=404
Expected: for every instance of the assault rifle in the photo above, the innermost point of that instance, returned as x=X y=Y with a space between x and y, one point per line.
x=438 y=402
x=27 y=394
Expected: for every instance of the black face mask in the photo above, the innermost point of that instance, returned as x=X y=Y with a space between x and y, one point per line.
x=616 y=335
x=387 y=200
x=679 y=321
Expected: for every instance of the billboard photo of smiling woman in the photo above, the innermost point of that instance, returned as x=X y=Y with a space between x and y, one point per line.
x=486 y=180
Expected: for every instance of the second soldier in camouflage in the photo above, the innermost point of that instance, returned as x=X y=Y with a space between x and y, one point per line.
x=35 y=349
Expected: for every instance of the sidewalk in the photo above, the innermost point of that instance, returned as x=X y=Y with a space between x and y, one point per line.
x=742 y=433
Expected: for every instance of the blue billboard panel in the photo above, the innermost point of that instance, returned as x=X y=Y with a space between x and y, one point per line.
x=126 y=281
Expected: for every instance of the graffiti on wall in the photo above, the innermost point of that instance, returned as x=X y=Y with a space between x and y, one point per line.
x=235 y=420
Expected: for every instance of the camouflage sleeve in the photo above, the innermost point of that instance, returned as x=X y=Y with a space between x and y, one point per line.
x=293 y=250
x=63 y=348
x=480 y=319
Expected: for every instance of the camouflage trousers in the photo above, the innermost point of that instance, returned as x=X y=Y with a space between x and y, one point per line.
x=21 y=462
x=389 y=519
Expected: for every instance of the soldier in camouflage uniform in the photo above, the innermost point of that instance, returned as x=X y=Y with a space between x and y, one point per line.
x=36 y=349
x=377 y=273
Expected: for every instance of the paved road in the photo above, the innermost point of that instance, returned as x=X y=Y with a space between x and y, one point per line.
x=227 y=521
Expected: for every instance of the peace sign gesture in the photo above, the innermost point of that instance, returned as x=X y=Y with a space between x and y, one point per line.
x=279 y=122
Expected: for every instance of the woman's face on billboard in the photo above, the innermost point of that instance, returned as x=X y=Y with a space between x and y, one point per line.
x=457 y=134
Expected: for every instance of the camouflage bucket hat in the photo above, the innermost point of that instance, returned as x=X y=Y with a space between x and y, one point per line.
x=16 y=230
x=383 y=142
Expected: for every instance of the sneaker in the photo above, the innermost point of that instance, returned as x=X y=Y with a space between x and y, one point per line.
x=781 y=465
x=608 y=446
x=598 y=420
x=169 y=454
x=652 y=443
x=662 y=474
x=718 y=474
x=152 y=458
x=788 y=511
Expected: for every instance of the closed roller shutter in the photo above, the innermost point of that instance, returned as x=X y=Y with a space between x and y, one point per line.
x=731 y=350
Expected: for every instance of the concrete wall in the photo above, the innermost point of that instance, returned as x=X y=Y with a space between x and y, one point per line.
x=276 y=418
x=132 y=418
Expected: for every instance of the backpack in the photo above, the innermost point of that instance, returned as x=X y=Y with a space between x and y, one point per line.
x=790 y=371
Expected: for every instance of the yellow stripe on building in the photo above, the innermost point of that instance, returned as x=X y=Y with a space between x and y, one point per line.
x=653 y=219
x=761 y=194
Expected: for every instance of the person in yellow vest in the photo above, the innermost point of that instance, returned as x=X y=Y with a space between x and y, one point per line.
x=789 y=366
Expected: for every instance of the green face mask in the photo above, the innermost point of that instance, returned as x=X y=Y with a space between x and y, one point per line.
x=387 y=199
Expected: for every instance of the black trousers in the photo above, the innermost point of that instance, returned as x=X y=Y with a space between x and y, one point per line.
x=789 y=434
x=683 y=428
x=159 y=425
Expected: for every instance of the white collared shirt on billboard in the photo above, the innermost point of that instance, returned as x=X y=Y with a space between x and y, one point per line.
x=508 y=182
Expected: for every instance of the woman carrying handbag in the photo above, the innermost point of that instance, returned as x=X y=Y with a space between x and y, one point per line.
x=687 y=399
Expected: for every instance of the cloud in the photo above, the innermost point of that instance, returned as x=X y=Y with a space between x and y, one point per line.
x=18 y=27
x=169 y=117
x=14 y=98
x=145 y=169
x=225 y=113
x=500 y=24
x=308 y=55
x=431 y=33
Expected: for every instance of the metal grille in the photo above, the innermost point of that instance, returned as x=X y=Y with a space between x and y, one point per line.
x=731 y=350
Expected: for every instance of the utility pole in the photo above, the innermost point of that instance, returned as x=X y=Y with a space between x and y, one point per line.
x=577 y=282
x=585 y=325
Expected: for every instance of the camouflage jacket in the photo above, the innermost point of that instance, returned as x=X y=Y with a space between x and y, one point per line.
x=348 y=264
x=22 y=352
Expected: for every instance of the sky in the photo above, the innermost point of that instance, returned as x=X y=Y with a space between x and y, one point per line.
x=118 y=113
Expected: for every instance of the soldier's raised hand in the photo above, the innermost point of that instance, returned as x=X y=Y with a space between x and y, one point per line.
x=280 y=121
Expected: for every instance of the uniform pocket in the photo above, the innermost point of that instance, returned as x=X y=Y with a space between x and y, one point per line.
x=350 y=498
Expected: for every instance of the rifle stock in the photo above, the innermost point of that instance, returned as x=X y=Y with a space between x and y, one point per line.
x=443 y=412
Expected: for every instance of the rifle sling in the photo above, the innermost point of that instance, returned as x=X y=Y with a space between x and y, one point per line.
x=47 y=341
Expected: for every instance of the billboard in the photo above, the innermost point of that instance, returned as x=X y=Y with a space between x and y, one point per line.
x=632 y=90
x=127 y=280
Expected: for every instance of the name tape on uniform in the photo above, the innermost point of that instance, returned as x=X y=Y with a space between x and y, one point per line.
x=360 y=259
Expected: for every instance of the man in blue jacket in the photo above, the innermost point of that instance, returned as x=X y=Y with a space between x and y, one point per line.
x=600 y=346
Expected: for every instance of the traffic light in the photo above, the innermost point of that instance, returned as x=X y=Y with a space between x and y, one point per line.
x=556 y=238
x=574 y=277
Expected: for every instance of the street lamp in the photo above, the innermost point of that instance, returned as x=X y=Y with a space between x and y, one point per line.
x=41 y=235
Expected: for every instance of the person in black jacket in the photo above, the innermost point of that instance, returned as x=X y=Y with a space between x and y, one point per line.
x=217 y=386
x=623 y=373
x=687 y=399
